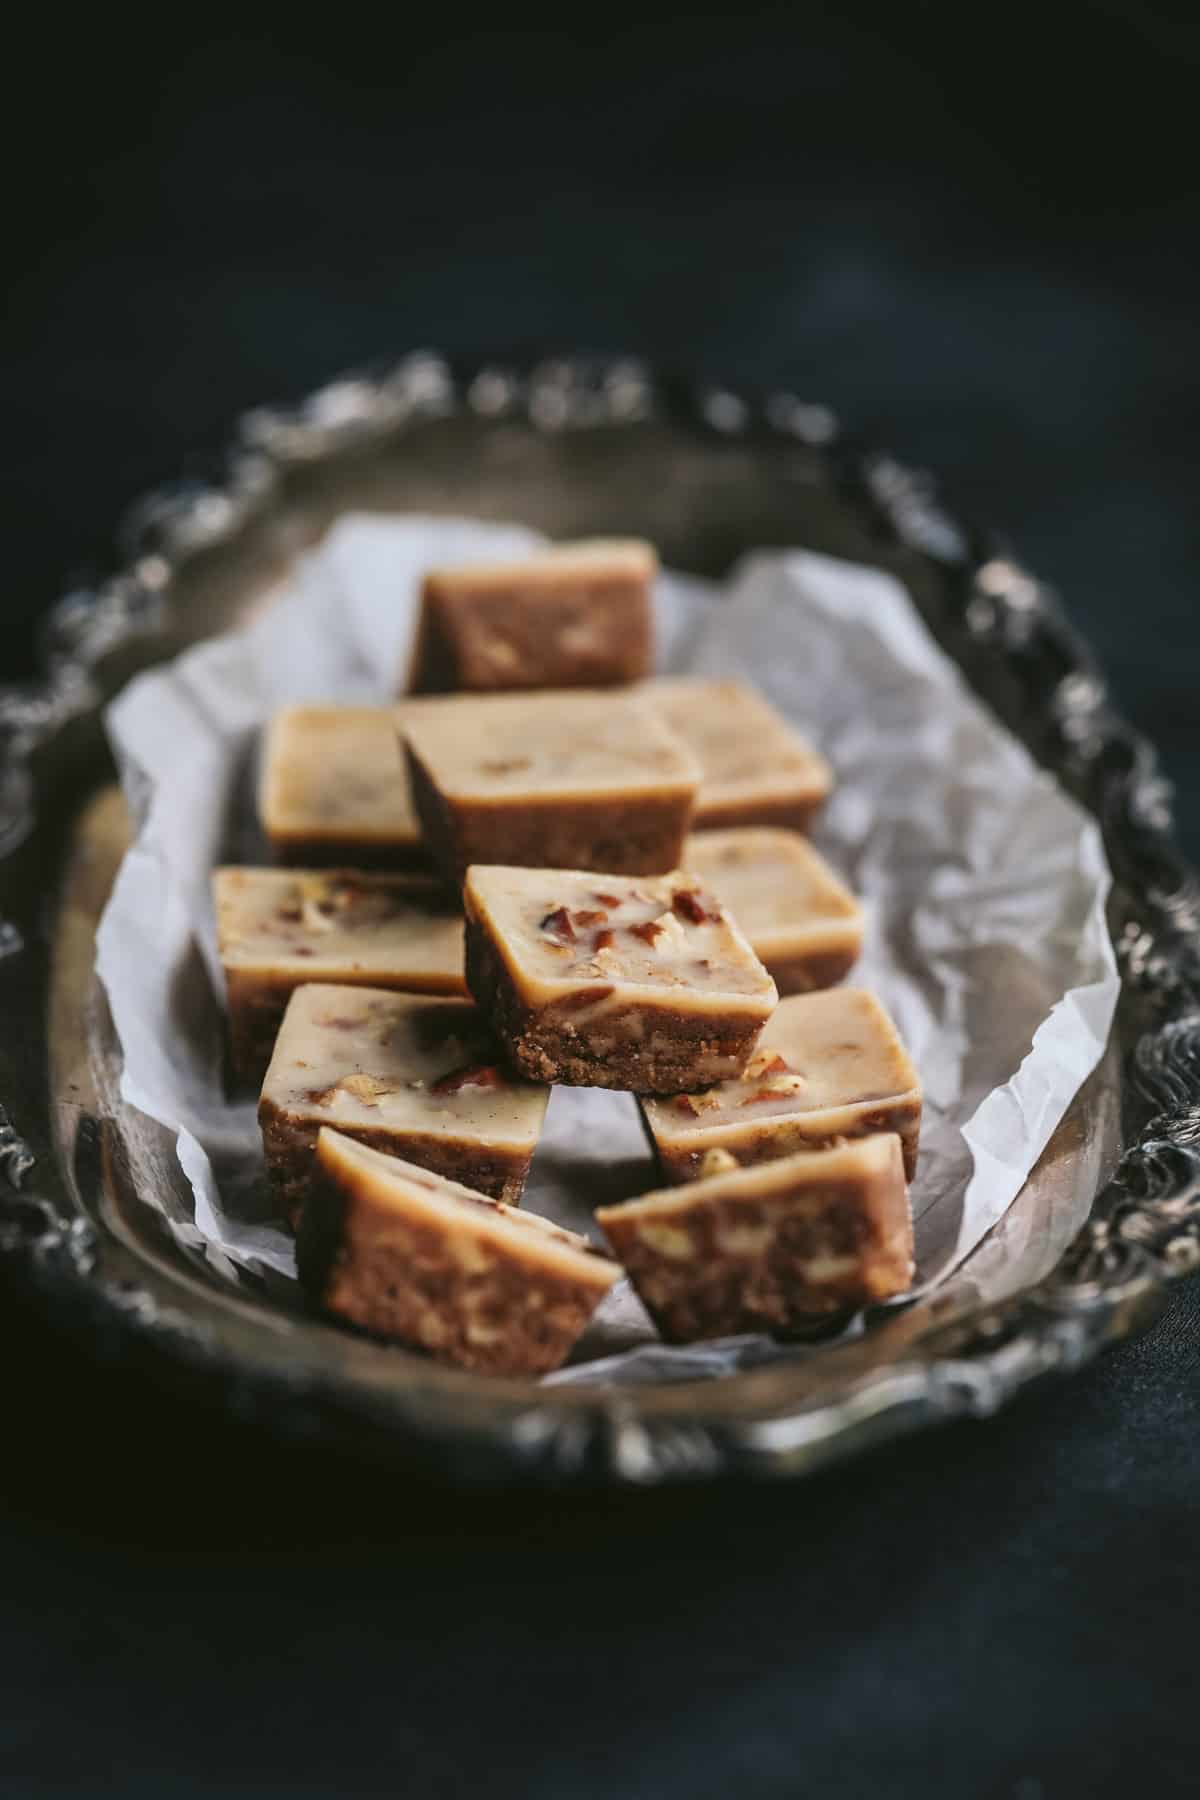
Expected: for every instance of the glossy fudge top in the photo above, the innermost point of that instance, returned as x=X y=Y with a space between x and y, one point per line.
x=544 y=571
x=387 y=1185
x=560 y=929
x=810 y=1173
x=817 y=1053
x=336 y=772
x=398 y=1062
x=773 y=881
x=307 y=922
x=746 y=751
x=557 y=743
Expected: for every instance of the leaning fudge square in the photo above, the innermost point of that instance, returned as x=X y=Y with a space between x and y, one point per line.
x=333 y=789
x=828 y=1066
x=755 y=770
x=769 y=1248
x=410 y=1256
x=280 y=928
x=419 y=1078
x=608 y=981
x=804 y=924
x=572 y=780
x=573 y=615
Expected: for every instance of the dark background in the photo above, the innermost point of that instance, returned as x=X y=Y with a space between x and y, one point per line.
x=973 y=232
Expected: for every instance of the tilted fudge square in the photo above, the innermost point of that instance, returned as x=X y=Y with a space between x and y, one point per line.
x=828 y=1066
x=767 y=1249
x=802 y=922
x=333 y=789
x=574 y=615
x=608 y=981
x=411 y=1256
x=280 y=928
x=755 y=770
x=419 y=1078
x=568 y=780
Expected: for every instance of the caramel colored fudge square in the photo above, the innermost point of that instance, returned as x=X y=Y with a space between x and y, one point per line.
x=575 y=615
x=607 y=981
x=410 y=1256
x=417 y=1078
x=280 y=928
x=334 y=789
x=769 y=1248
x=568 y=780
x=755 y=770
x=828 y=1066
x=803 y=924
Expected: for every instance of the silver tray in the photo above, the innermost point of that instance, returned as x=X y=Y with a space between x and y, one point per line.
x=572 y=447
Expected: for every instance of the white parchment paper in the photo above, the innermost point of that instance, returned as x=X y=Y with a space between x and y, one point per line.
x=985 y=886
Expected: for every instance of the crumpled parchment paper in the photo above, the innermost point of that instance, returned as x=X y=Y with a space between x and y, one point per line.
x=984 y=885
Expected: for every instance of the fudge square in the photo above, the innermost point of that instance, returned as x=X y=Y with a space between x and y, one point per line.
x=571 y=780
x=420 y=1078
x=766 y=1249
x=333 y=789
x=755 y=770
x=574 y=615
x=609 y=981
x=828 y=1066
x=280 y=928
x=411 y=1256
x=803 y=924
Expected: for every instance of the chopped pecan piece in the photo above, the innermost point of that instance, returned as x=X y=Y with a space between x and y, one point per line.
x=557 y=925
x=367 y=1088
x=697 y=1103
x=604 y=940
x=480 y=1075
x=688 y=904
x=584 y=919
x=649 y=930
x=763 y=1062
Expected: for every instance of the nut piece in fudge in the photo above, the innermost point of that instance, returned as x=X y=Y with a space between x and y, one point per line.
x=770 y=1248
x=755 y=770
x=415 y=1077
x=574 y=615
x=609 y=981
x=572 y=780
x=280 y=928
x=410 y=1256
x=828 y=1066
x=333 y=789
x=803 y=923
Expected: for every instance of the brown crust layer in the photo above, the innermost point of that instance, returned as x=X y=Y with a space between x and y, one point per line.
x=551 y=1043
x=793 y=814
x=351 y=853
x=805 y=973
x=452 y=648
x=507 y=1316
x=787 y=1136
x=636 y=836
x=740 y=1263
x=290 y=1146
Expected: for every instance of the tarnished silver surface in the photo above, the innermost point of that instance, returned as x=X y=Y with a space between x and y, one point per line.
x=574 y=447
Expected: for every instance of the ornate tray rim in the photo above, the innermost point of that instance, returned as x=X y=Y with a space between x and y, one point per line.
x=1144 y=1228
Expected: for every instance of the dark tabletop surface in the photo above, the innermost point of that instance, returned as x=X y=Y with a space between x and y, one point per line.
x=972 y=232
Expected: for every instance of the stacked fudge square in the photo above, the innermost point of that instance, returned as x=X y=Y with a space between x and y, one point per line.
x=538 y=866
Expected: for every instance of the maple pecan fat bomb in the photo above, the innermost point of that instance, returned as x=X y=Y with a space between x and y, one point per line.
x=427 y=1262
x=770 y=1248
x=801 y=921
x=574 y=615
x=606 y=981
x=568 y=780
x=755 y=770
x=280 y=928
x=828 y=1066
x=418 y=1078
x=333 y=789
